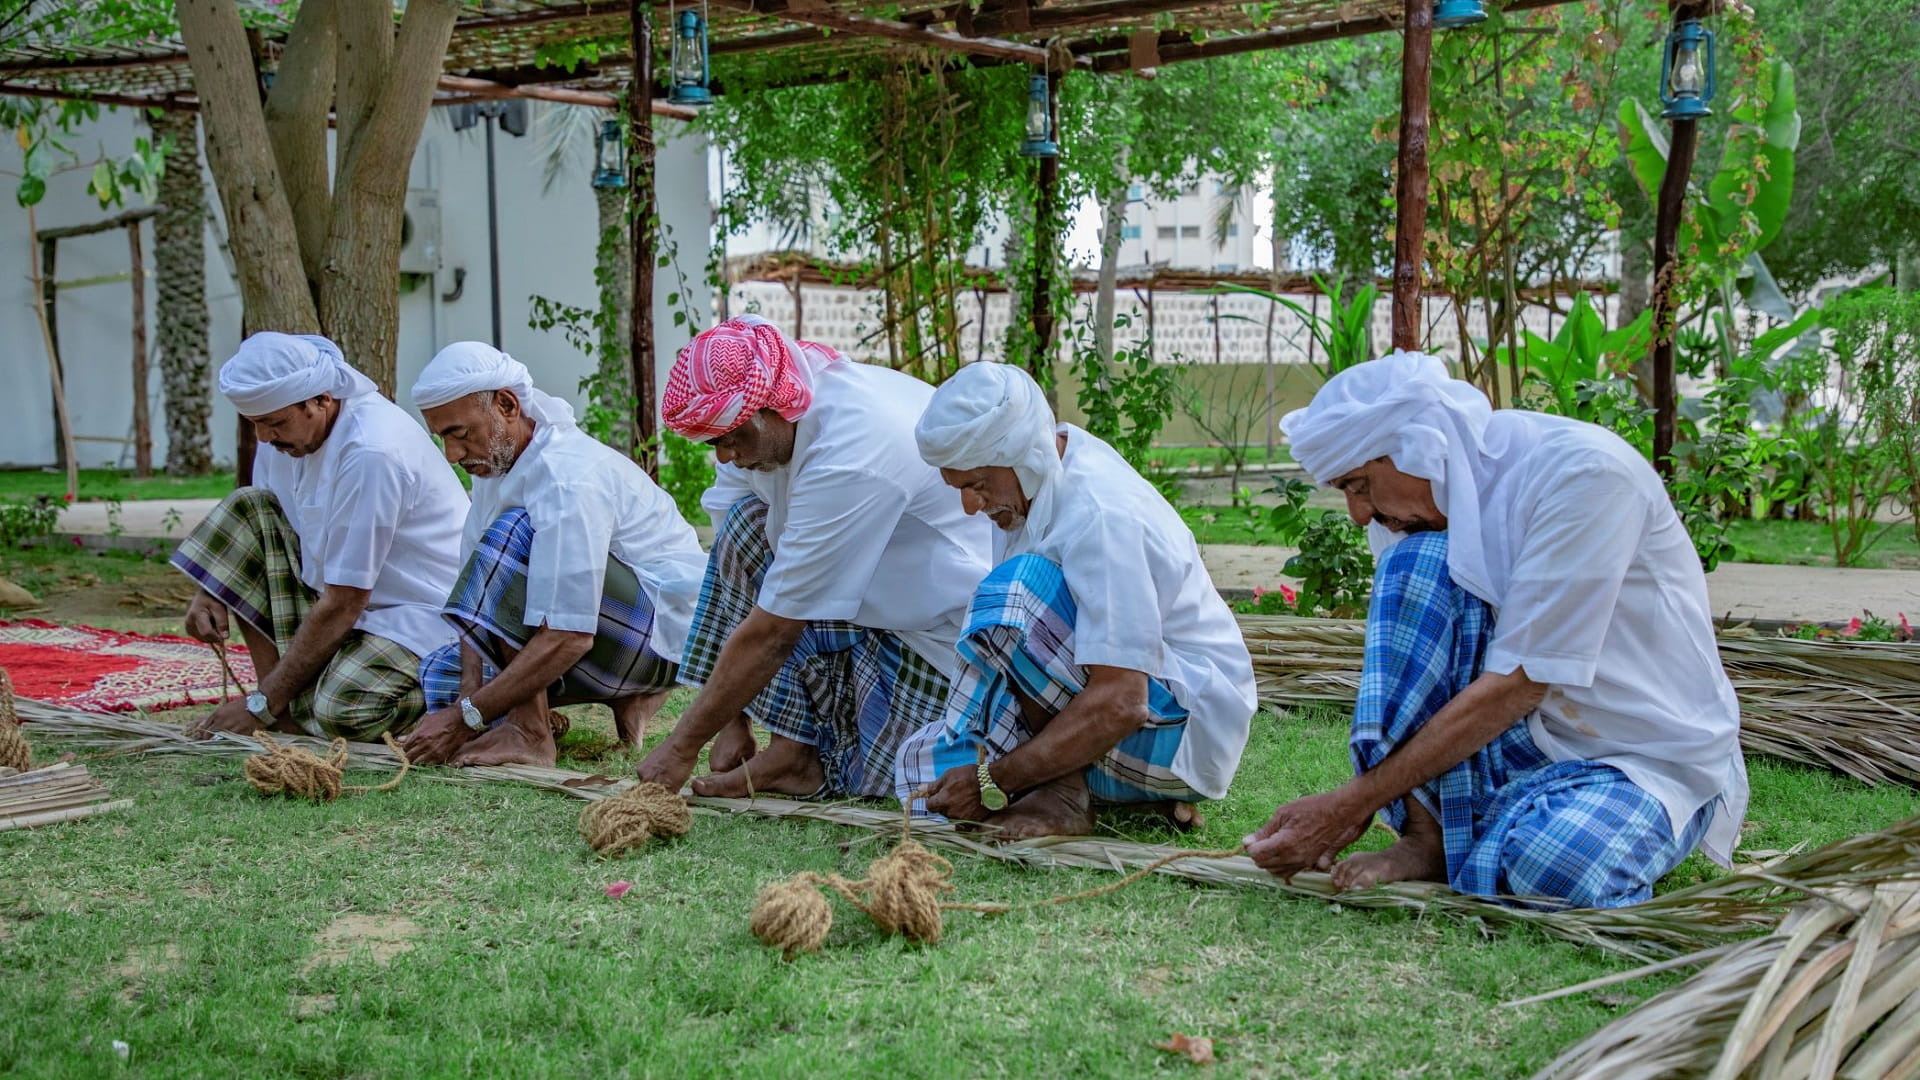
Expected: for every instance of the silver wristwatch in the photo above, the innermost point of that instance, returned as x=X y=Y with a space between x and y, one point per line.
x=257 y=707
x=472 y=715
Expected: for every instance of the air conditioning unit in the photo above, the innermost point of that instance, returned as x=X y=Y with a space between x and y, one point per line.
x=420 y=232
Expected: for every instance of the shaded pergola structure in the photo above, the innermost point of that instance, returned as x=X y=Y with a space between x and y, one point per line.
x=520 y=48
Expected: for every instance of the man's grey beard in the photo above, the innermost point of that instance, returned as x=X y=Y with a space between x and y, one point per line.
x=500 y=451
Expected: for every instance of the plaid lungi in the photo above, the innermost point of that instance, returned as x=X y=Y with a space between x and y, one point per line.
x=1516 y=824
x=247 y=556
x=851 y=692
x=488 y=607
x=1019 y=635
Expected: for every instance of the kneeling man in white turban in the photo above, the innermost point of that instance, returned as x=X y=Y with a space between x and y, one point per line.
x=1542 y=712
x=339 y=556
x=580 y=574
x=1101 y=666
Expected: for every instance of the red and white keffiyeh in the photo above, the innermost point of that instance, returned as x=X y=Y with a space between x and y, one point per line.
x=732 y=371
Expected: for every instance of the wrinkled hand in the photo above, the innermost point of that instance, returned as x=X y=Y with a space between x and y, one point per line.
x=670 y=764
x=1306 y=834
x=230 y=716
x=206 y=620
x=956 y=795
x=439 y=735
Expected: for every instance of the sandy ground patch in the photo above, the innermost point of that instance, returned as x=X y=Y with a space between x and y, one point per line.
x=381 y=937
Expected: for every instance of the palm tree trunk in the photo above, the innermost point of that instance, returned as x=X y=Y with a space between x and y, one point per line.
x=180 y=272
x=614 y=387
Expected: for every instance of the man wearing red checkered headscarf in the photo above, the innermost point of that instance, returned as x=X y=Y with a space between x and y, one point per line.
x=840 y=572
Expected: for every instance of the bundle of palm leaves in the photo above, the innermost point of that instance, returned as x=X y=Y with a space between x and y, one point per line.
x=1834 y=990
x=1680 y=923
x=1853 y=707
x=56 y=793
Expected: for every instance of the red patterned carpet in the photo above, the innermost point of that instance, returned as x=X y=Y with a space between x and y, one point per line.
x=85 y=667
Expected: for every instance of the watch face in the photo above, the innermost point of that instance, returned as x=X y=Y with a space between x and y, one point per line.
x=993 y=798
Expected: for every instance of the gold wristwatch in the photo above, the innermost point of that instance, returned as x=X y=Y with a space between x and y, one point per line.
x=991 y=796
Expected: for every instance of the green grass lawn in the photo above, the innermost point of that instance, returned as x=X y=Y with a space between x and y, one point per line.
x=1229 y=524
x=1184 y=457
x=448 y=928
x=21 y=485
x=1808 y=543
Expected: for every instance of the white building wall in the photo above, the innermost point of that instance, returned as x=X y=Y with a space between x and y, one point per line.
x=547 y=240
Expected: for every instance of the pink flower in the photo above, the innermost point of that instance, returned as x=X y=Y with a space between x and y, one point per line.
x=1853 y=628
x=619 y=889
x=77 y=542
x=68 y=497
x=1905 y=630
x=1289 y=596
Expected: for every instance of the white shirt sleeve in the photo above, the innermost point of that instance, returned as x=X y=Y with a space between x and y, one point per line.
x=839 y=522
x=1580 y=538
x=1117 y=580
x=362 y=518
x=566 y=571
x=729 y=487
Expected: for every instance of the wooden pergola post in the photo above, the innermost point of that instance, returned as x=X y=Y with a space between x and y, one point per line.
x=1670 y=205
x=1410 y=189
x=641 y=158
x=142 y=419
x=1045 y=255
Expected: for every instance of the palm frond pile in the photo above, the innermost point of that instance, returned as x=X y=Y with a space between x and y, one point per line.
x=1853 y=707
x=56 y=793
x=1705 y=916
x=1834 y=990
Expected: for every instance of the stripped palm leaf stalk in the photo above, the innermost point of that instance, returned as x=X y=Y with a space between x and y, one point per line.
x=58 y=792
x=1833 y=991
x=1852 y=707
x=1710 y=914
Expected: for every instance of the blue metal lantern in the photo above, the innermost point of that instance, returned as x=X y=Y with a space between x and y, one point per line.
x=1455 y=14
x=689 y=60
x=609 y=157
x=1039 y=141
x=1687 y=72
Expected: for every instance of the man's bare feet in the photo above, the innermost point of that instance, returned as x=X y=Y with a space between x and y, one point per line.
x=1419 y=855
x=1182 y=816
x=631 y=715
x=732 y=747
x=785 y=767
x=1059 y=808
x=523 y=737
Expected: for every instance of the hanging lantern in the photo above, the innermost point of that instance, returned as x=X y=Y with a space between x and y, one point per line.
x=1686 y=72
x=1455 y=14
x=690 y=60
x=609 y=157
x=1039 y=142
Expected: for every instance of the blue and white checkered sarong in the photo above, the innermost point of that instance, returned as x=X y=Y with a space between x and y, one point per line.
x=851 y=692
x=488 y=607
x=1516 y=824
x=1019 y=636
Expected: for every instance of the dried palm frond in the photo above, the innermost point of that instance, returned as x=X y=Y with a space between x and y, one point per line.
x=59 y=792
x=1702 y=916
x=1852 y=706
x=1834 y=990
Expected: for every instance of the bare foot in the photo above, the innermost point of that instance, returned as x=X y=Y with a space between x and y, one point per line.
x=631 y=715
x=1059 y=808
x=1182 y=816
x=523 y=737
x=732 y=747
x=1419 y=855
x=785 y=767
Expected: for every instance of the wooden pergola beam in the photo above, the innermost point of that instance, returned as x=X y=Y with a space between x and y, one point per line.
x=827 y=18
x=471 y=88
x=172 y=104
x=1178 y=45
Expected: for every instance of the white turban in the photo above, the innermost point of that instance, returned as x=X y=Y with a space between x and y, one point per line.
x=990 y=414
x=473 y=367
x=272 y=371
x=1408 y=407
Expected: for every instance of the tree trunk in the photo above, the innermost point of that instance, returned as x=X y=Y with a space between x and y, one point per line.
x=180 y=285
x=1113 y=210
x=360 y=273
x=273 y=286
x=1636 y=283
x=615 y=381
x=1410 y=194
